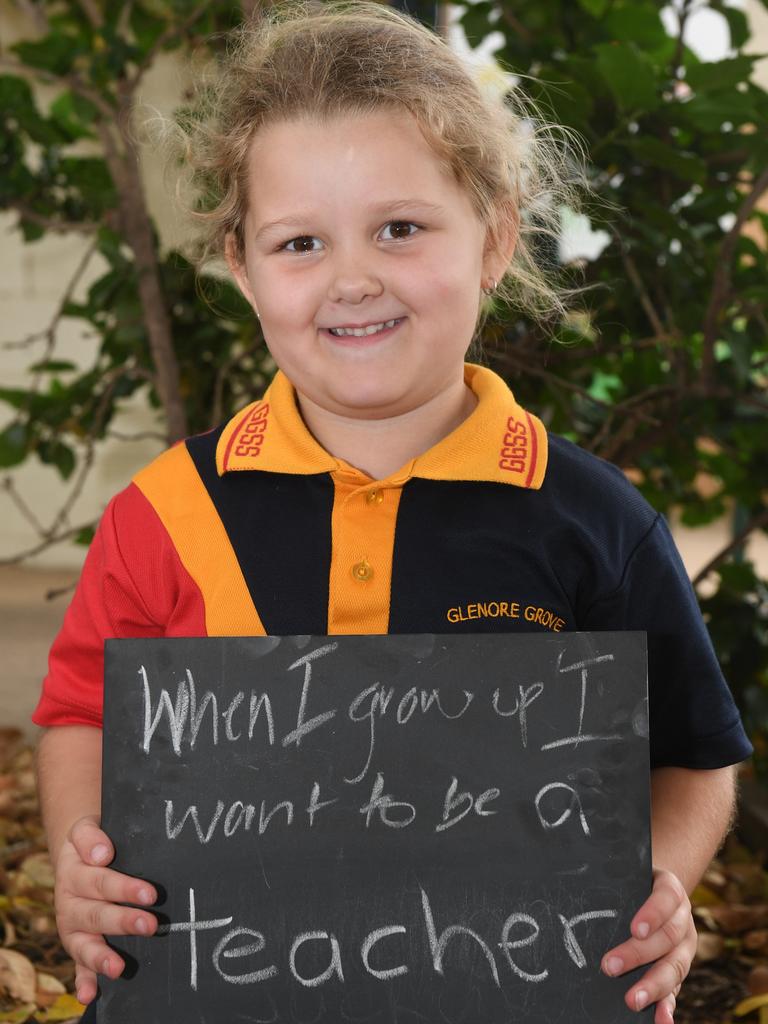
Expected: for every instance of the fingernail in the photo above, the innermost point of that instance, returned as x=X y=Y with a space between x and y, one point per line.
x=641 y=999
x=99 y=852
x=642 y=930
x=141 y=925
x=105 y=965
x=614 y=965
x=145 y=896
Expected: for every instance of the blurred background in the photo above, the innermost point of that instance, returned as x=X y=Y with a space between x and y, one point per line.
x=110 y=347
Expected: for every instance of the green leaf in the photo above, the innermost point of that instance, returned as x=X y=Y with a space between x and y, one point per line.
x=721 y=75
x=737 y=24
x=146 y=27
x=74 y=116
x=595 y=7
x=640 y=24
x=13 y=445
x=58 y=454
x=629 y=76
x=709 y=112
x=53 y=366
x=16 y=397
x=85 y=536
x=684 y=165
x=475 y=22
x=604 y=385
x=56 y=52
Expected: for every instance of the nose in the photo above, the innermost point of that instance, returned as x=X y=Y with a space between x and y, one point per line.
x=354 y=276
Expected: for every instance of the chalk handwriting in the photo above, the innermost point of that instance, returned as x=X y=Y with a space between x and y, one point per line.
x=527 y=695
x=446 y=948
x=304 y=725
x=574 y=799
x=384 y=803
x=370 y=941
x=374 y=701
x=192 y=927
x=571 y=944
x=580 y=737
x=507 y=944
x=452 y=801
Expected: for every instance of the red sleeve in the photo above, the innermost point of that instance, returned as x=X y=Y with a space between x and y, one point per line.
x=133 y=584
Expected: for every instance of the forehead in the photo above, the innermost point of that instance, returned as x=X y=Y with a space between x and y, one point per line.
x=351 y=159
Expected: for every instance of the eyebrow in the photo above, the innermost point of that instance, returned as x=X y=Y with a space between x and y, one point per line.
x=393 y=206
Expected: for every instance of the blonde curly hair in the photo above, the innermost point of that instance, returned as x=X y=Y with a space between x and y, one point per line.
x=321 y=60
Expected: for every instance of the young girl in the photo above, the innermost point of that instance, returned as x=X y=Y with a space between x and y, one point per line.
x=369 y=201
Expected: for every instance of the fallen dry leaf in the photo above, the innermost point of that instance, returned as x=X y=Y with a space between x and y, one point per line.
x=18 y=1014
x=756 y=940
x=709 y=947
x=758 y=980
x=17 y=975
x=38 y=869
x=65 y=1008
x=735 y=918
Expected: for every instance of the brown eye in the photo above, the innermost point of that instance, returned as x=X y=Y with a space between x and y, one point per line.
x=301 y=242
x=401 y=228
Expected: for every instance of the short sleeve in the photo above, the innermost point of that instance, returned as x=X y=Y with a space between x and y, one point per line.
x=694 y=722
x=132 y=585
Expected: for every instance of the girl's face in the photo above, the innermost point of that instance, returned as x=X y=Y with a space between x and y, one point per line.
x=354 y=223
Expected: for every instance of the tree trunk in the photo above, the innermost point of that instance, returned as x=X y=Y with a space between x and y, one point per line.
x=123 y=163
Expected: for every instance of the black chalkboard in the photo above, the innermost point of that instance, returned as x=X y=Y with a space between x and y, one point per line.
x=376 y=829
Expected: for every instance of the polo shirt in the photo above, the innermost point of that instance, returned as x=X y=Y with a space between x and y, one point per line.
x=255 y=529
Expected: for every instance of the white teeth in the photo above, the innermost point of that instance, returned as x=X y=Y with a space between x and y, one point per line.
x=360 y=332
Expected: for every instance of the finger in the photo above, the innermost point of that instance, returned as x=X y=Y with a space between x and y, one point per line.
x=85 y=984
x=98 y=917
x=665 y=1011
x=668 y=894
x=93 y=954
x=660 y=981
x=111 y=886
x=678 y=932
x=93 y=845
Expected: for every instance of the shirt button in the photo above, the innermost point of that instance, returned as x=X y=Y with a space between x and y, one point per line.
x=362 y=571
x=374 y=497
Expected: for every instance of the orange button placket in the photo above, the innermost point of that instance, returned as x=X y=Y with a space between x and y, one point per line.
x=362 y=542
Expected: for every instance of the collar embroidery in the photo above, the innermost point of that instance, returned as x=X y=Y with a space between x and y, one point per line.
x=499 y=441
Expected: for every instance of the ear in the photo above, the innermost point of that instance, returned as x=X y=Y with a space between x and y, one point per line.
x=237 y=270
x=500 y=246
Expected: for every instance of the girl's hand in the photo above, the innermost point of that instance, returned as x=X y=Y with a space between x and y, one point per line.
x=87 y=894
x=662 y=931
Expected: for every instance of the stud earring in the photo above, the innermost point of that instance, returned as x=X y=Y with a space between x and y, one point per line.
x=490 y=288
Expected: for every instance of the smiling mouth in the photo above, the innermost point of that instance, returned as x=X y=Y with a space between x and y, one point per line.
x=364 y=332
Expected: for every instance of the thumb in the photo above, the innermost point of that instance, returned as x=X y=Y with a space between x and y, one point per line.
x=93 y=845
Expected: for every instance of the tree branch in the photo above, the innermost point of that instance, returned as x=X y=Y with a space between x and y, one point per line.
x=682 y=15
x=36 y=13
x=10 y=489
x=217 y=411
x=721 y=281
x=645 y=301
x=45 y=544
x=92 y=12
x=52 y=223
x=165 y=37
x=515 y=24
x=758 y=522
x=537 y=371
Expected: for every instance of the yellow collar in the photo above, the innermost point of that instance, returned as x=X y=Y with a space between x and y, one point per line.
x=500 y=441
